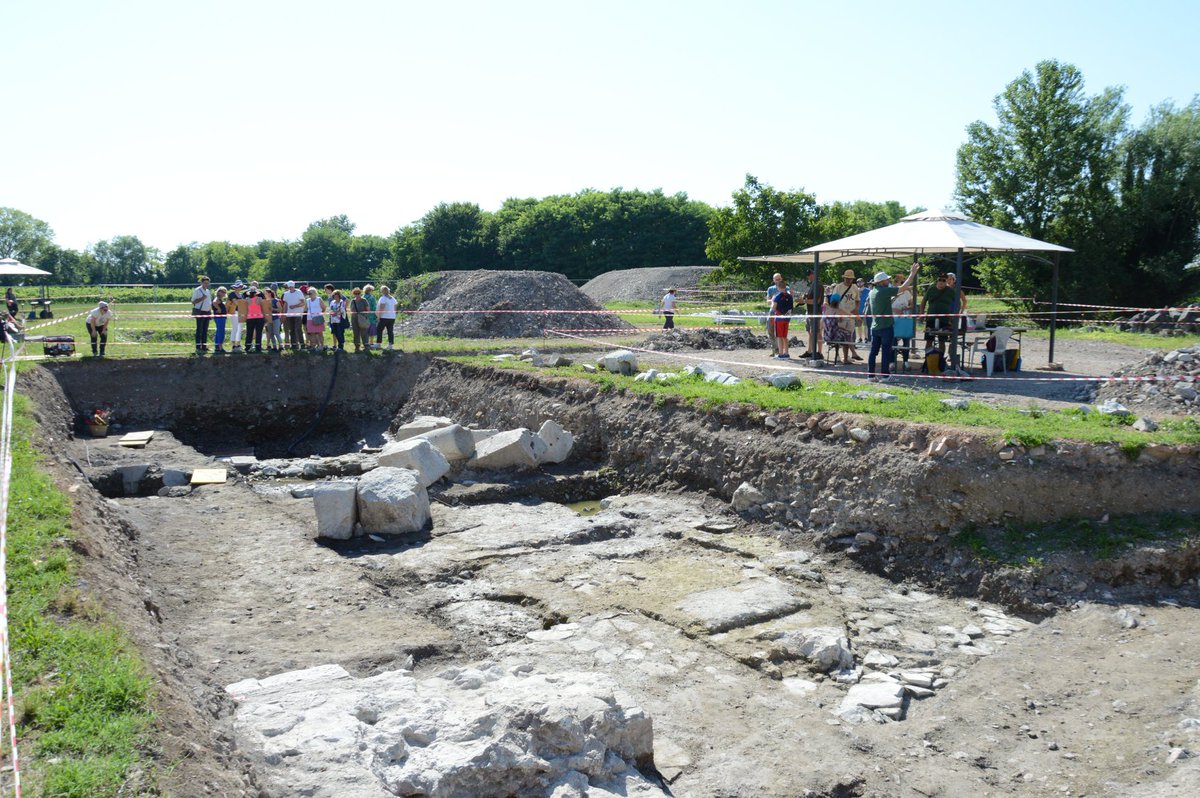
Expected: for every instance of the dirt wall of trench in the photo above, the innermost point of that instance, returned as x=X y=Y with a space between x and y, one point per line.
x=909 y=480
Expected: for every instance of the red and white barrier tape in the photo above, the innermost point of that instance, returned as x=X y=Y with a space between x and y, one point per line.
x=10 y=382
x=783 y=366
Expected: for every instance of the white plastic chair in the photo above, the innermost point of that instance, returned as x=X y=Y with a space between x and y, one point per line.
x=1001 y=334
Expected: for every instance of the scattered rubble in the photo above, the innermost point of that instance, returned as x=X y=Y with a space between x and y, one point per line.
x=1174 y=390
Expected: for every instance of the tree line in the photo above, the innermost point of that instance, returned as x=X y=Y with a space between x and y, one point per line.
x=1059 y=164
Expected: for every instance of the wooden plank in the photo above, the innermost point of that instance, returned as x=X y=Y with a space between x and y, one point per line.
x=208 y=476
x=136 y=440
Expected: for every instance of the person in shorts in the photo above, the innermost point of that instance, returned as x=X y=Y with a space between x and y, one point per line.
x=782 y=303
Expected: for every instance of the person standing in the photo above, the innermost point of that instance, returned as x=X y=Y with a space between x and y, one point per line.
x=802 y=298
x=202 y=311
x=337 y=318
x=387 y=317
x=668 y=308
x=902 y=306
x=256 y=319
x=97 y=326
x=847 y=307
x=236 y=305
x=359 y=321
x=372 y=316
x=220 y=313
x=293 y=309
x=772 y=289
x=938 y=303
x=274 y=324
x=315 y=324
x=10 y=300
x=779 y=316
x=883 y=325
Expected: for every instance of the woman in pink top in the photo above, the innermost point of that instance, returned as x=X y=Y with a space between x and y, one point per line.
x=255 y=320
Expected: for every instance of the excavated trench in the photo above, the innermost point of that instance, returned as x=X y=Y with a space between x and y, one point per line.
x=223 y=583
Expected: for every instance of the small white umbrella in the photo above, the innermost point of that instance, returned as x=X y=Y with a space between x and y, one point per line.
x=14 y=267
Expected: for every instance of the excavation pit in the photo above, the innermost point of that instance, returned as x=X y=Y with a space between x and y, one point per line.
x=730 y=631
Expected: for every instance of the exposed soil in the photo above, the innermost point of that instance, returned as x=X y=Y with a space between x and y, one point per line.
x=224 y=582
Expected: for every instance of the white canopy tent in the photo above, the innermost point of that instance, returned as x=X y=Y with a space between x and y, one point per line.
x=933 y=232
x=13 y=267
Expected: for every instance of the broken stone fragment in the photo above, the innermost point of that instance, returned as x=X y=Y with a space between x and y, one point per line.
x=747 y=496
x=454 y=441
x=620 y=362
x=392 y=501
x=511 y=449
x=417 y=454
x=335 y=504
x=558 y=441
x=419 y=426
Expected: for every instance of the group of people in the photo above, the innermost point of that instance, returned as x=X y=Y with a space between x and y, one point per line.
x=296 y=317
x=853 y=304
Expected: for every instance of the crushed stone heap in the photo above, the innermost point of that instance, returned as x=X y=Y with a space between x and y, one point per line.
x=1178 y=395
x=480 y=304
x=647 y=284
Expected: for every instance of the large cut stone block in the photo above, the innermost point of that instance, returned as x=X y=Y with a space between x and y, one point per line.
x=558 y=442
x=454 y=441
x=417 y=454
x=515 y=448
x=392 y=500
x=420 y=425
x=334 y=503
x=620 y=362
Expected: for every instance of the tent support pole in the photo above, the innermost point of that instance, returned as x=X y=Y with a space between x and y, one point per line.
x=1053 y=306
x=814 y=312
x=958 y=286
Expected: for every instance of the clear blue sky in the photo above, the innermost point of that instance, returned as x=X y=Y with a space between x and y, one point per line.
x=245 y=120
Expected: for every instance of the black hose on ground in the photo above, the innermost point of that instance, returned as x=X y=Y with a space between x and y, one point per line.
x=337 y=355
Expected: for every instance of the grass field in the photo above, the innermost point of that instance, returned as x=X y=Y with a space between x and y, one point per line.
x=84 y=699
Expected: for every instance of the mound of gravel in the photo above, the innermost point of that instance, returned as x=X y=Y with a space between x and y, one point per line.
x=686 y=340
x=643 y=284
x=481 y=304
x=1180 y=394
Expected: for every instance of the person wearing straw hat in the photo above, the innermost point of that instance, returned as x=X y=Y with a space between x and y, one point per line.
x=879 y=304
x=97 y=327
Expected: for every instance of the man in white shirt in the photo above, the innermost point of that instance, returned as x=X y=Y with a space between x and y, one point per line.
x=97 y=326
x=293 y=320
x=668 y=309
x=202 y=309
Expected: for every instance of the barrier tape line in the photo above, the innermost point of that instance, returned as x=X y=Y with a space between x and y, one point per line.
x=10 y=382
x=779 y=366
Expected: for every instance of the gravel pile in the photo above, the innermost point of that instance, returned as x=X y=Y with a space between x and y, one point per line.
x=643 y=284
x=1164 y=397
x=478 y=304
x=685 y=340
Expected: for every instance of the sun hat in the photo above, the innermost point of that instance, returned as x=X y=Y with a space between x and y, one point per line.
x=848 y=273
x=291 y=283
x=103 y=304
x=239 y=284
x=882 y=277
x=835 y=298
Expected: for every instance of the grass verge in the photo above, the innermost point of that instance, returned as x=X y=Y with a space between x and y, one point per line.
x=84 y=697
x=1027 y=544
x=1028 y=427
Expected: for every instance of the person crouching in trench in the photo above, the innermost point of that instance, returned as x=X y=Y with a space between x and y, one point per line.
x=97 y=327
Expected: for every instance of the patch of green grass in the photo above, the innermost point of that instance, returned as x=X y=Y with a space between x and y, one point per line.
x=1024 y=545
x=1026 y=427
x=1114 y=336
x=83 y=692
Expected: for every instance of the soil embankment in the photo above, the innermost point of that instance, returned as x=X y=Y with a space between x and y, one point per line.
x=910 y=480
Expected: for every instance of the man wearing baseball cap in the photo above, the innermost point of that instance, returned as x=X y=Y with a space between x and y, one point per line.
x=97 y=326
x=879 y=305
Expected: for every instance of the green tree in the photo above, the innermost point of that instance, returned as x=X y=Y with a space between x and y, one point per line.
x=23 y=237
x=1046 y=170
x=179 y=265
x=125 y=259
x=324 y=251
x=459 y=235
x=1160 y=207
x=761 y=221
